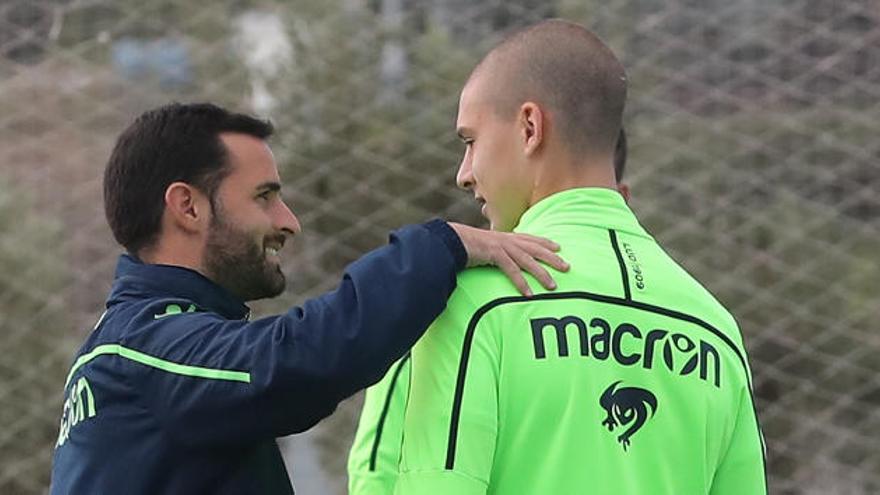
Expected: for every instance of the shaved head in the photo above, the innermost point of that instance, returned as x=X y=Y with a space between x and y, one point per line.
x=566 y=70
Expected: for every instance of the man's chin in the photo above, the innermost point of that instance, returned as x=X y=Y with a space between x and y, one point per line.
x=271 y=284
x=277 y=284
x=492 y=223
x=268 y=293
x=497 y=226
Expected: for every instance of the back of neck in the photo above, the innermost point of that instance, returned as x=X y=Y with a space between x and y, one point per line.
x=562 y=175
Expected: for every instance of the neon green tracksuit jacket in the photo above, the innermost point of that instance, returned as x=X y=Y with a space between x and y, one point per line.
x=630 y=378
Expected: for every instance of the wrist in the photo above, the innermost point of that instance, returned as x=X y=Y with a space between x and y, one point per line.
x=451 y=239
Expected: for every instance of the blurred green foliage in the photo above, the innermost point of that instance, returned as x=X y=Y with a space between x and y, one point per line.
x=32 y=316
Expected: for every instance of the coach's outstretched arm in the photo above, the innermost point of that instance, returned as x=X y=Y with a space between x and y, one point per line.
x=302 y=363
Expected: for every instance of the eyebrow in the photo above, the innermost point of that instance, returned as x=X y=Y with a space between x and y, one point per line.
x=269 y=186
x=462 y=133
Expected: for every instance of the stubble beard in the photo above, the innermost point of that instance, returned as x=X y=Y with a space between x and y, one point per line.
x=236 y=262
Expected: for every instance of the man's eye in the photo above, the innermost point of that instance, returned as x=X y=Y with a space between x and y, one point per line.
x=468 y=142
x=265 y=196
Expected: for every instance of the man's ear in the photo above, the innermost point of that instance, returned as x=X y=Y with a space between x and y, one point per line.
x=187 y=207
x=532 y=122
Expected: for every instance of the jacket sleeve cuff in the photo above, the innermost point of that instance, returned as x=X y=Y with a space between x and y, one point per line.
x=450 y=238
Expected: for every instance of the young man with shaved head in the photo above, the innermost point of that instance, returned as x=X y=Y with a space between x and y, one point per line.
x=373 y=462
x=630 y=378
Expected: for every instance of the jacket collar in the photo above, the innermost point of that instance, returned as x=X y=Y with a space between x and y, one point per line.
x=135 y=279
x=586 y=206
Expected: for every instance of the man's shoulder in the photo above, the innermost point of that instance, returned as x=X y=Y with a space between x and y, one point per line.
x=488 y=279
x=480 y=286
x=150 y=324
x=658 y=280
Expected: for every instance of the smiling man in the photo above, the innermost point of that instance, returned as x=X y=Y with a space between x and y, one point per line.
x=630 y=378
x=175 y=391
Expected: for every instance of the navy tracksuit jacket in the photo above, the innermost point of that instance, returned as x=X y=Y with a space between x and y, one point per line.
x=176 y=392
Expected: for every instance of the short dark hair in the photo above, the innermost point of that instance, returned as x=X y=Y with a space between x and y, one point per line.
x=620 y=155
x=567 y=68
x=173 y=143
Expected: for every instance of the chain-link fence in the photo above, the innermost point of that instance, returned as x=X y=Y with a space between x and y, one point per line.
x=754 y=159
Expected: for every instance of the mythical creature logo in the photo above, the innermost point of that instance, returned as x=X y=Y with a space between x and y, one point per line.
x=627 y=406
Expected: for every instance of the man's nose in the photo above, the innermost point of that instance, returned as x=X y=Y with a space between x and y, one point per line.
x=287 y=221
x=465 y=176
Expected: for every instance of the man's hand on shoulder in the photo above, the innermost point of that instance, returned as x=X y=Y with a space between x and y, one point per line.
x=512 y=253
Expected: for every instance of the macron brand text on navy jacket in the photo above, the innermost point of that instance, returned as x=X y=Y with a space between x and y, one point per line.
x=176 y=392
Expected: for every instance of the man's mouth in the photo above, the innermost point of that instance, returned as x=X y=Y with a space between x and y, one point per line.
x=272 y=247
x=482 y=202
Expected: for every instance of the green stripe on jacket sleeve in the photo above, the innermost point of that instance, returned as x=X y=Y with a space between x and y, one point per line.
x=158 y=363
